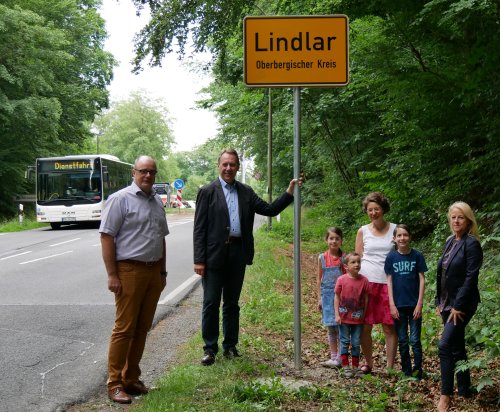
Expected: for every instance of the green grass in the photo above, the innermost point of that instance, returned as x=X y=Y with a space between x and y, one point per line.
x=13 y=225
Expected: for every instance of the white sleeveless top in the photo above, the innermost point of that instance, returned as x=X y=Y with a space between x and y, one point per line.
x=375 y=250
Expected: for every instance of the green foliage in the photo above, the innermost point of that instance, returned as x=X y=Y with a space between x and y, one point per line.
x=53 y=77
x=207 y=23
x=198 y=167
x=13 y=225
x=418 y=120
x=136 y=126
x=482 y=364
x=260 y=393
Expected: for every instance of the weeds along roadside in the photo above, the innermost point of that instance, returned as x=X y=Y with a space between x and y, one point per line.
x=13 y=225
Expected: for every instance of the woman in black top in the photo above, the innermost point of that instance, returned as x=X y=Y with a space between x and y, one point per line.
x=457 y=297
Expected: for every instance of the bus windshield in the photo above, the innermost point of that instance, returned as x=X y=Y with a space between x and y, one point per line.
x=75 y=187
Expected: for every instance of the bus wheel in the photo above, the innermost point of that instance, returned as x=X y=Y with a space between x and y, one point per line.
x=55 y=225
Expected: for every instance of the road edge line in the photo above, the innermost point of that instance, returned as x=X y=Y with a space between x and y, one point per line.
x=181 y=291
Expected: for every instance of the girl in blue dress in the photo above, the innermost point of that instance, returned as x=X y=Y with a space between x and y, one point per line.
x=330 y=268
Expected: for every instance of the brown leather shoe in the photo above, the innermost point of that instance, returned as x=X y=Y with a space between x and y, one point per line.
x=136 y=388
x=118 y=395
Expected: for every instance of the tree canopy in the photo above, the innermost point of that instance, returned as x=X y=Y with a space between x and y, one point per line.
x=136 y=126
x=418 y=120
x=53 y=77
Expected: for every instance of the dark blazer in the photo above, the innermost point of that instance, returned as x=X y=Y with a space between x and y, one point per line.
x=462 y=274
x=211 y=221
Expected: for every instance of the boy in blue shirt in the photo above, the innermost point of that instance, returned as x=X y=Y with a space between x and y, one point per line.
x=405 y=269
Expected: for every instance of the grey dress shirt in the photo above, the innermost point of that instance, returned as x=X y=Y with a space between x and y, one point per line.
x=137 y=222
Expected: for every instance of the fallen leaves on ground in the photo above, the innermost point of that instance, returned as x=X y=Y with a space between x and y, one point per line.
x=314 y=350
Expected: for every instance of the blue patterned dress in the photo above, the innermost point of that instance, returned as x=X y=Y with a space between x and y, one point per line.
x=332 y=269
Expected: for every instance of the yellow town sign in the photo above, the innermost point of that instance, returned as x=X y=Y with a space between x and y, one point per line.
x=296 y=51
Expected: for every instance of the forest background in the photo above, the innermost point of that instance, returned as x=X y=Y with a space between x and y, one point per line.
x=418 y=120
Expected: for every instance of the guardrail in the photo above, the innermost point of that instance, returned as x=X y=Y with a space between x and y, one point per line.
x=25 y=198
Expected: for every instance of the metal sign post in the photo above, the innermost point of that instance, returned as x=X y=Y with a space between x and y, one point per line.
x=296 y=231
x=296 y=51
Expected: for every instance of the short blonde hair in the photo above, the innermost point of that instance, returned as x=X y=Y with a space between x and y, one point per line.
x=469 y=214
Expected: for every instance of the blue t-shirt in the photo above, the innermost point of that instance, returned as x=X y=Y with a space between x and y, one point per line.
x=404 y=270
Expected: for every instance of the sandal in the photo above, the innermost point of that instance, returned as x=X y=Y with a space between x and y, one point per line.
x=366 y=369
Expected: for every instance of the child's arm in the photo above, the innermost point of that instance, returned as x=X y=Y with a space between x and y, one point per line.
x=392 y=305
x=417 y=313
x=320 y=278
x=336 y=305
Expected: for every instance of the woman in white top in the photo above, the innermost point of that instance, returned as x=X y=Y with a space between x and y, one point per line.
x=373 y=243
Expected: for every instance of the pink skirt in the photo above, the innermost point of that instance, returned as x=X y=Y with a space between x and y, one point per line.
x=378 y=310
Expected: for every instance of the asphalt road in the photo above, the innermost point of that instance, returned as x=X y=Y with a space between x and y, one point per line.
x=56 y=313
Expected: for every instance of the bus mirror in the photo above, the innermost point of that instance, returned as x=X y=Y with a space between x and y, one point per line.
x=30 y=173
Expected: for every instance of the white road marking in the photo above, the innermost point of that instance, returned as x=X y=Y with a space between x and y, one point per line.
x=46 y=257
x=187 y=284
x=19 y=254
x=179 y=222
x=67 y=241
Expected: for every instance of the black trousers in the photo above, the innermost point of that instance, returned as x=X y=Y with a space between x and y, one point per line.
x=452 y=350
x=226 y=283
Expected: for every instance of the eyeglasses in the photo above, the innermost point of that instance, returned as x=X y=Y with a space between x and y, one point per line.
x=144 y=172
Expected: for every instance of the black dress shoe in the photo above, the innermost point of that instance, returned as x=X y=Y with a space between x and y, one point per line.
x=208 y=358
x=231 y=353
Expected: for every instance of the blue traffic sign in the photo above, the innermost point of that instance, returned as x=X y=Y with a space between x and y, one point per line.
x=178 y=184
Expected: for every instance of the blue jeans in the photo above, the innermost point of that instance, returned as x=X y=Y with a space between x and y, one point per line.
x=401 y=324
x=350 y=334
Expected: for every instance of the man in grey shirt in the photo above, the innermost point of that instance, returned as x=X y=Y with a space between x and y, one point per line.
x=133 y=230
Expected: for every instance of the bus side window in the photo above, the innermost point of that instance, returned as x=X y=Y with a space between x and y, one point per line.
x=105 y=182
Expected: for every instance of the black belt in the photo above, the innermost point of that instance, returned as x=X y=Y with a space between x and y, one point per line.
x=233 y=239
x=139 y=262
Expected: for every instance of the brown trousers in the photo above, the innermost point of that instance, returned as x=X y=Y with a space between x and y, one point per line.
x=135 y=309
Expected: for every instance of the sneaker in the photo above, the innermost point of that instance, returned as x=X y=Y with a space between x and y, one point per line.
x=330 y=363
x=358 y=373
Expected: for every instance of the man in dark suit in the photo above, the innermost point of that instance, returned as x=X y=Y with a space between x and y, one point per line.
x=223 y=246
